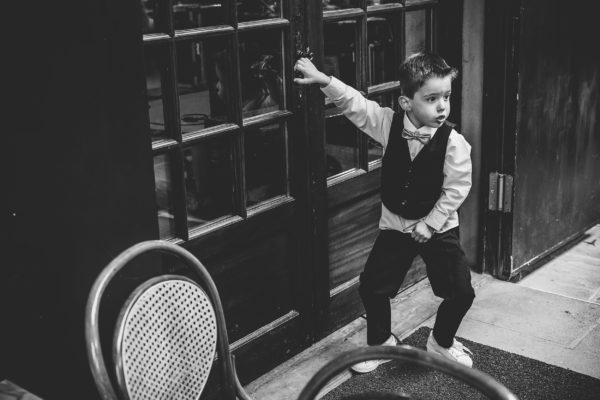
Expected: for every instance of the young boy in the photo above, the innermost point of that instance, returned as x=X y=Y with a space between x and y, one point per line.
x=426 y=175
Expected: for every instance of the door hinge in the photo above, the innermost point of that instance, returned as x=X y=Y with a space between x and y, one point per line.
x=501 y=192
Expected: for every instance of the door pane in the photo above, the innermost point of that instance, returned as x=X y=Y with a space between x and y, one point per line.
x=378 y=2
x=382 y=61
x=203 y=71
x=250 y=10
x=208 y=180
x=329 y=5
x=340 y=50
x=266 y=164
x=375 y=149
x=416 y=31
x=389 y=99
x=164 y=195
x=341 y=145
x=188 y=14
x=261 y=61
x=154 y=16
x=155 y=67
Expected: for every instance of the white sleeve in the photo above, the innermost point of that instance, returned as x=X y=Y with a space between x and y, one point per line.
x=457 y=181
x=367 y=115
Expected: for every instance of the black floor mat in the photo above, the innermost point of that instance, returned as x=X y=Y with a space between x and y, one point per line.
x=528 y=379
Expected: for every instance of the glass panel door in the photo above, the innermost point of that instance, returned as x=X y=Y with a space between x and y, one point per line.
x=229 y=168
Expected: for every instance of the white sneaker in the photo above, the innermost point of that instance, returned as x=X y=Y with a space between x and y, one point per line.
x=367 y=366
x=457 y=352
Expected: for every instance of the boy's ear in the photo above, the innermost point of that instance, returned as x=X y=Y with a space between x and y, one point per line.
x=405 y=103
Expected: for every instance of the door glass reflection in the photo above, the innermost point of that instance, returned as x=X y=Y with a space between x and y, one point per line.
x=189 y=14
x=330 y=5
x=203 y=73
x=154 y=65
x=416 y=32
x=381 y=56
x=340 y=47
x=374 y=148
x=341 y=145
x=261 y=56
x=378 y=2
x=164 y=195
x=266 y=162
x=389 y=99
x=251 y=10
x=153 y=16
x=208 y=175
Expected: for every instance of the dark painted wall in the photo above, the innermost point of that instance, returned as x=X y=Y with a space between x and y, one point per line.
x=82 y=187
x=557 y=192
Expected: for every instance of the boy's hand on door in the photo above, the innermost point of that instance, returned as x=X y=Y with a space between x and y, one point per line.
x=310 y=73
x=422 y=232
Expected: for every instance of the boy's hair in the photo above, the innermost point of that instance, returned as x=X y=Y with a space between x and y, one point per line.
x=419 y=67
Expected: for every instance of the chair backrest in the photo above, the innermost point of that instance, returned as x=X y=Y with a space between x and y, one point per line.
x=165 y=340
x=473 y=377
x=166 y=333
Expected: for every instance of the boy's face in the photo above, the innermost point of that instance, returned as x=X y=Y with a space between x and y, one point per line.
x=430 y=106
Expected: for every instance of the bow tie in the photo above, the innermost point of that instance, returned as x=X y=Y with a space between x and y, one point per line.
x=416 y=135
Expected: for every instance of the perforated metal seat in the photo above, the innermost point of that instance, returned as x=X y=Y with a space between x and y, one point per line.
x=166 y=336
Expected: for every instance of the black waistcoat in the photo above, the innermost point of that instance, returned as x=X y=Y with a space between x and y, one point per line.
x=411 y=188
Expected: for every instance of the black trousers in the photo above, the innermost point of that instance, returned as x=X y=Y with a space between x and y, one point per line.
x=447 y=269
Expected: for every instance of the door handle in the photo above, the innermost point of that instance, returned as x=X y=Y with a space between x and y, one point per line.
x=300 y=89
x=305 y=53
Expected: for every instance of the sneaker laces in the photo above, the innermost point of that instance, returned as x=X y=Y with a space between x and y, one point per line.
x=456 y=345
x=396 y=340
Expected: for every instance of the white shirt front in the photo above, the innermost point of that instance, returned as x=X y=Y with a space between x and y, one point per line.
x=376 y=122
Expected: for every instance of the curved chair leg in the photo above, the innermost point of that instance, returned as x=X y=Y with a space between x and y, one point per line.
x=241 y=393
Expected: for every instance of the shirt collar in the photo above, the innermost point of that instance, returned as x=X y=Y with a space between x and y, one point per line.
x=424 y=129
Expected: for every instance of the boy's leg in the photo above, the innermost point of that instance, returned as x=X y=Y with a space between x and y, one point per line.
x=449 y=274
x=387 y=265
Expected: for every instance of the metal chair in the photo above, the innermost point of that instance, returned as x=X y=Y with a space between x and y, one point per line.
x=476 y=379
x=166 y=335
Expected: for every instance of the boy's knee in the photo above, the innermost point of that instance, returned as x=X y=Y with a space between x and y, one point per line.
x=466 y=297
x=369 y=288
x=462 y=296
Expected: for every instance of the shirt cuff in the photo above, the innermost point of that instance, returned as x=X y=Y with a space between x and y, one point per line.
x=436 y=220
x=335 y=89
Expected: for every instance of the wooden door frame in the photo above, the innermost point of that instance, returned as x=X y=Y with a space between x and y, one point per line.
x=317 y=277
x=501 y=80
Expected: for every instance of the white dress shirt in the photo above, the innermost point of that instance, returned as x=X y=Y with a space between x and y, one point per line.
x=376 y=122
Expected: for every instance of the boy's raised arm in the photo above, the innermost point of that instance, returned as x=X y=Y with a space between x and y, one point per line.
x=366 y=115
x=311 y=73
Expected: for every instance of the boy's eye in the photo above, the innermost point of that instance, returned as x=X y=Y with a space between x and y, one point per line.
x=446 y=97
x=430 y=99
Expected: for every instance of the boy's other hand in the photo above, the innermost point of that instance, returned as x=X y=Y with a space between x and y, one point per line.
x=422 y=232
x=310 y=72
